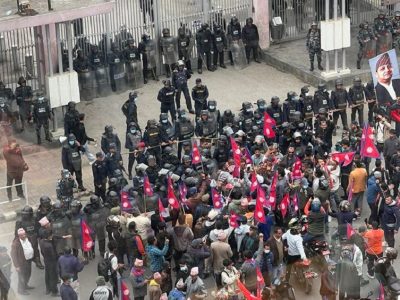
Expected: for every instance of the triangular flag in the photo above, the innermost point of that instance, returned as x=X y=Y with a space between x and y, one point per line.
x=254 y=182
x=248 y=156
x=148 y=191
x=368 y=148
x=272 y=192
x=124 y=291
x=216 y=198
x=87 y=242
x=344 y=158
x=196 y=157
x=261 y=195
x=259 y=214
x=350 y=231
x=233 y=220
x=125 y=203
x=269 y=120
x=161 y=209
x=171 y=194
x=284 y=205
x=296 y=173
x=183 y=192
x=236 y=152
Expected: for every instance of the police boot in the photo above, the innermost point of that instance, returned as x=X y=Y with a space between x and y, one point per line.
x=222 y=66
x=358 y=64
x=320 y=66
x=39 y=140
x=311 y=66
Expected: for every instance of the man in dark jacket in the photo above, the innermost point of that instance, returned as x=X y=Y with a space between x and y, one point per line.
x=71 y=159
x=129 y=109
x=50 y=262
x=100 y=173
x=83 y=138
x=390 y=220
x=70 y=265
x=250 y=39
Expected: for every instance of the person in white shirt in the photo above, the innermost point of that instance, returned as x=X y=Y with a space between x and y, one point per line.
x=101 y=292
x=334 y=175
x=295 y=245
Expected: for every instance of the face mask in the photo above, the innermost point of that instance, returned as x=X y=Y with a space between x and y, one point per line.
x=249 y=110
x=164 y=121
x=307 y=94
x=184 y=268
x=324 y=90
x=183 y=115
x=41 y=99
x=71 y=143
x=267 y=251
x=212 y=107
x=2 y=104
x=133 y=130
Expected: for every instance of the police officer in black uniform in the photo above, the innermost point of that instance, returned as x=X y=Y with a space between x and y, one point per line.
x=97 y=215
x=23 y=94
x=321 y=99
x=146 y=46
x=184 y=129
x=6 y=93
x=290 y=106
x=200 y=95
x=167 y=128
x=114 y=58
x=185 y=46
x=228 y=120
x=339 y=100
x=110 y=138
x=356 y=100
x=307 y=106
x=71 y=159
x=129 y=109
x=131 y=52
x=5 y=116
x=204 y=127
x=61 y=228
x=250 y=39
x=246 y=116
x=154 y=139
x=71 y=118
x=41 y=116
x=214 y=115
x=43 y=210
x=204 y=45
x=275 y=110
x=166 y=95
x=180 y=77
x=133 y=138
x=99 y=169
x=65 y=188
x=28 y=223
x=220 y=44
x=77 y=216
x=95 y=58
x=261 y=106
x=81 y=63
x=370 y=96
x=234 y=33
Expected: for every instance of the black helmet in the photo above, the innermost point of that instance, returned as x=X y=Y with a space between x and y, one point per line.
x=65 y=174
x=246 y=105
x=108 y=129
x=71 y=137
x=321 y=86
x=94 y=200
x=204 y=113
x=261 y=103
x=27 y=211
x=71 y=105
x=275 y=100
x=133 y=95
x=291 y=95
x=391 y=253
x=234 y=19
x=204 y=26
x=212 y=105
x=249 y=20
x=166 y=32
x=305 y=89
x=45 y=201
x=228 y=113
x=151 y=123
x=357 y=81
x=145 y=36
x=339 y=81
x=76 y=206
x=57 y=205
x=167 y=150
x=181 y=112
x=164 y=117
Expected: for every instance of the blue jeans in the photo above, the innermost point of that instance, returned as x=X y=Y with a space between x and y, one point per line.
x=277 y=273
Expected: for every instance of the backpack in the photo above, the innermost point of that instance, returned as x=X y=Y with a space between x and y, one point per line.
x=104 y=267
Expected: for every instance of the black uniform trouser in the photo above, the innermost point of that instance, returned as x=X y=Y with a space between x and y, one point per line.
x=389 y=237
x=146 y=69
x=169 y=68
x=131 y=161
x=100 y=191
x=371 y=107
x=185 y=90
x=51 y=276
x=102 y=246
x=45 y=124
x=343 y=116
x=200 y=60
x=24 y=275
x=248 y=49
x=198 y=107
x=18 y=179
x=344 y=181
x=78 y=176
x=169 y=107
x=360 y=110
x=218 y=55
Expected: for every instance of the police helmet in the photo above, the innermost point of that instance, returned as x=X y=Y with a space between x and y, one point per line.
x=223 y=138
x=339 y=81
x=163 y=117
x=391 y=253
x=76 y=206
x=57 y=205
x=321 y=86
x=27 y=211
x=305 y=89
x=186 y=158
x=275 y=100
x=397 y=14
x=246 y=105
x=357 y=81
x=167 y=82
x=261 y=103
x=249 y=20
x=291 y=95
x=112 y=181
x=21 y=80
x=228 y=113
x=204 y=113
x=181 y=63
x=95 y=200
x=315 y=205
x=167 y=150
x=234 y=19
x=145 y=36
x=108 y=129
x=204 y=26
x=151 y=123
x=45 y=200
x=65 y=174
x=133 y=95
x=212 y=104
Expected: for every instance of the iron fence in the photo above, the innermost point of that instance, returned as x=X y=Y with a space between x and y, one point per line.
x=297 y=15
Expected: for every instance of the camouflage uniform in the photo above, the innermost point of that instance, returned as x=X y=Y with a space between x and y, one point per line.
x=364 y=35
x=314 y=46
x=396 y=30
x=382 y=27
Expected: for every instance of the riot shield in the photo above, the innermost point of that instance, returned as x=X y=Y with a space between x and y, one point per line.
x=118 y=76
x=87 y=87
x=150 y=51
x=102 y=82
x=134 y=74
x=370 y=49
x=169 y=48
x=238 y=54
x=190 y=48
x=383 y=44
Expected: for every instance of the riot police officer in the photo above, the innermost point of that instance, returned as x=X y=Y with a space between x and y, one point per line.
x=246 y=116
x=321 y=99
x=205 y=128
x=44 y=210
x=396 y=29
x=133 y=66
x=356 y=100
x=97 y=215
x=122 y=37
x=65 y=188
x=184 y=129
x=147 y=48
x=219 y=45
x=77 y=216
x=314 y=46
x=290 y=106
x=28 y=223
x=169 y=50
x=227 y=120
x=180 y=78
x=339 y=100
x=71 y=118
x=204 y=44
x=382 y=28
x=133 y=138
x=95 y=58
x=364 y=36
x=307 y=105
x=61 y=228
x=5 y=117
x=109 y=138
x=166 y=95
x=41 y=116
x=100 y=173
x=185 y=45
x=6 y=93
x=131 y=52
x=114 y=61
x=250 y=39
x=275 y=110
x=71 y=159
x=214 y=115
x=153 y=138
x=200 y=95
x=81 y=63
x=167 y=128
x=261 y=106
x=234 y=34
x=129 y=109
x=23 y=94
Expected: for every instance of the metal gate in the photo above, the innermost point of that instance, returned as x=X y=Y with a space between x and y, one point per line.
x=297 y=15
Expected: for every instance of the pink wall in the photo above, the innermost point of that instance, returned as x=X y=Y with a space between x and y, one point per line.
x=261 y=19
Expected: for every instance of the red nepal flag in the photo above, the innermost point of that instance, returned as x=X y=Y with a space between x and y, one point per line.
x=87 y=242
x=196 y=157
x=236 y=152
x=171 y=195
x=161 y=209
x=125 y=203
x=124 y=292
x=268 y=119
x=183 y=191
x=216 y=198
x=148 y=191
x=295 y=203
x=259 y=214
x=261 y=195
x=368 y=148
x=233 y=220
x=268 y=124
x=344 y=158
x=350 y=231
x=284 y=205
x=296 y=173
x=254 y=182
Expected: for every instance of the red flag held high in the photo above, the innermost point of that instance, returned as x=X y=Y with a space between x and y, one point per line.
x=368 y=148
x=183 y=191
x=269 y=120
x=161 y=209
x=87 y=242
x=196 y=157
x=254 y=182
x=236 y=152
x=284 y=205
x=296 y=173
x=350 y=231
x=269 y=132
x=171 y=195
x=344 y=158
x=233 y=220
x=259 y=214
x=272 y=192
x=295 y=203
x=261 y=195
x=216 y=198
x=125 y=203
x=148 y=191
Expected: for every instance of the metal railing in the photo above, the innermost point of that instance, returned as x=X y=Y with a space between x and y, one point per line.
x=4 y=196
